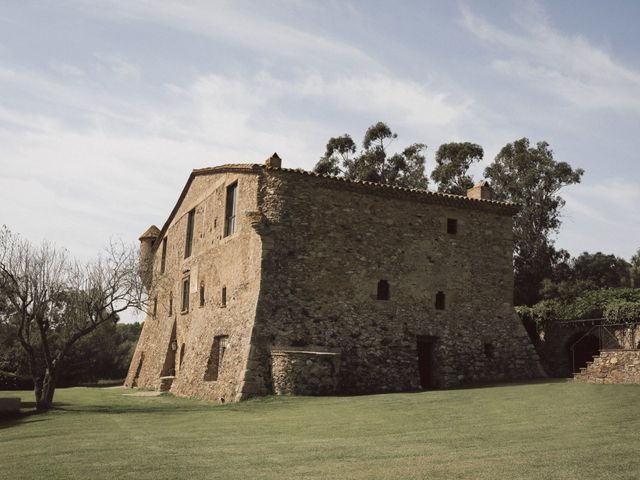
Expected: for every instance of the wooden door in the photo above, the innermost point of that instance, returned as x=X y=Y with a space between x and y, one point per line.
x=425 y=361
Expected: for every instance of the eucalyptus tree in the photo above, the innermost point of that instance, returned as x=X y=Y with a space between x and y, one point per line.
x=530 y=176
x=374 y=163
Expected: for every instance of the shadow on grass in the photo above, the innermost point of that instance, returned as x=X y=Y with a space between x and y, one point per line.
x=16 y=419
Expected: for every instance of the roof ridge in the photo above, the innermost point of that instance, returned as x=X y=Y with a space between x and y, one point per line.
x=391 y=187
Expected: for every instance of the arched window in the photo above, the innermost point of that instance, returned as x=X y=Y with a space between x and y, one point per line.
x=383 y=290
x=202 y=294
x=439 y=301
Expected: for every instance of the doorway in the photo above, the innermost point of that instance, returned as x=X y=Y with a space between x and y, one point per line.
x=581 y=348
x=425 y=361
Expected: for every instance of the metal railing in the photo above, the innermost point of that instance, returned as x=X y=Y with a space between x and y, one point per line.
x=608 y=341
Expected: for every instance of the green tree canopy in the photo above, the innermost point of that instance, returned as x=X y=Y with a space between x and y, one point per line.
x=589 y=271
x=603 y=270
x=452 y=165
x=374 y=163
x=531 y=177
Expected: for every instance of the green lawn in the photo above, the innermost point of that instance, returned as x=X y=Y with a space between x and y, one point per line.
x=539 y=430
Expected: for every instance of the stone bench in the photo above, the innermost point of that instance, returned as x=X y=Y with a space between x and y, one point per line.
x=9 y=406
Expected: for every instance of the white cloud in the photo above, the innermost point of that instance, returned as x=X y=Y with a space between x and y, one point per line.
x=234 y=22
x=66 y=69
x=602 y=216
x=118 y=67
x=569 y=66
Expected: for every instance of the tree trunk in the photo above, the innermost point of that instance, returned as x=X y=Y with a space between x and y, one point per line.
x=44 y=390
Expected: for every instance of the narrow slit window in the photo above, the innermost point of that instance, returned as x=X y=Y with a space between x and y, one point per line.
x=230 y=210
x=170 y=303
x=155 y=306
x=452 y=226
x=163 y=259
x=439 y=301
x=188 y=244
x=223 y=297
x=185 y=295
x=218 y=349
x=202 y=294
x=383 y=290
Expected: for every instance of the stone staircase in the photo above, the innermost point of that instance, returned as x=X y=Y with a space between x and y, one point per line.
x=611 y=366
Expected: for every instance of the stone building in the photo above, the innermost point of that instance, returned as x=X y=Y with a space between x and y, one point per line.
x=271 y=280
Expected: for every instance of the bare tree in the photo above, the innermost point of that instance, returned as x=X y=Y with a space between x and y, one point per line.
x=54 y=300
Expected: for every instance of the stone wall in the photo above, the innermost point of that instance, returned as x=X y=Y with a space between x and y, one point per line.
x=327 y=244
x=304 y=371
x=216 y=261
x=612 y=366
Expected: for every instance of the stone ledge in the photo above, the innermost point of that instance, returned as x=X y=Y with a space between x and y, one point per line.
x=310 y=350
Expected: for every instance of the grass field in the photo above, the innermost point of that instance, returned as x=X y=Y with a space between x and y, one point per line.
x=540 y=430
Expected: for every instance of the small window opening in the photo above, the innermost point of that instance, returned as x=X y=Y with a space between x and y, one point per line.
x=452 y=226
x=170 y=303
x=185 y=295
x=188 y=245
x=218 y=348
x=230 y=210
x=155 y=307
x=202 y=294
x=383 y=290
x=163 y=259
x=182 y=354
x=439 y=301
x=489 y=350
x=223 y=297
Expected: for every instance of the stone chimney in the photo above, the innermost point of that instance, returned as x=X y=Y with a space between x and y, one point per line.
x=480 y=191
x=274 y=161
x=145 y=269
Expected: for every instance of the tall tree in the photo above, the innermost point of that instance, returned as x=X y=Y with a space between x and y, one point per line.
x=531 y=177
x=452 y=166
x=55 y=301
x=374 y=163
x=339 y=151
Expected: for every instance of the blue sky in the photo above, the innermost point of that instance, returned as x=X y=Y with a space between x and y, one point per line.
x=106 y=106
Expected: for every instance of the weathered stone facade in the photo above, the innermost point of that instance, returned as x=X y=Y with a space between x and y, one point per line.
x=612 y=366
x=331 y=286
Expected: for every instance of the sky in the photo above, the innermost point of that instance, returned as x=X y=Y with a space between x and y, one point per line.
x=107 y=106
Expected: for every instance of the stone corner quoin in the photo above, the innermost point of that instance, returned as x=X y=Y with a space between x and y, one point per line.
x=270 y=280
